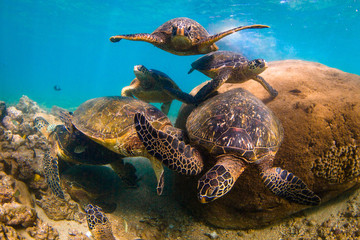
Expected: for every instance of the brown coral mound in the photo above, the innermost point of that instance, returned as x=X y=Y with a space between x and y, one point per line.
x=320 y=111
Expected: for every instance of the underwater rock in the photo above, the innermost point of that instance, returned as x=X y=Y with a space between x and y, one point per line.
x=319 y=108
x=43 y=231
x=28 y=106
x=7 y=191
x=9 y=233
x=16 y=214
x=58 y=209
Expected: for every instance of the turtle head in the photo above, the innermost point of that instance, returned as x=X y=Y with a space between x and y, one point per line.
x=214 y=184
x=181 y=37
x=141 y=72
x=257 y=66
x=43 y=126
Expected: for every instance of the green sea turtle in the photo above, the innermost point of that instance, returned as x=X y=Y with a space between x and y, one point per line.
x=149 y=86
x=239 y=130
x=99 y=225
x=183 y=36
x=224 y=66
x=109 y=121
x=76 y=148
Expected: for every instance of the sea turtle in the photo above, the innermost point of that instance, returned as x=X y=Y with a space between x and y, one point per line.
x=224 y=66
x=239 y=130
x=183 y=36
x=109 y=121
x=149 y=86
x=75 y=147
x=99 y=225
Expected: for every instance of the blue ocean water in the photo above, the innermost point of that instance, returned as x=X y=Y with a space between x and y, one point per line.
x=66 y=43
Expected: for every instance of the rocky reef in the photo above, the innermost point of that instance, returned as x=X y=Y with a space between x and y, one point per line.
x=319 y=108
x=22 y=181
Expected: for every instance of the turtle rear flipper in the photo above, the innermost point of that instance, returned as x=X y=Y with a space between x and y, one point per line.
x=286 y=185
x=145 y=37
x=168 y=149
x=51 y=171
x=267 y=86
x=98 y=223
x=204 y=44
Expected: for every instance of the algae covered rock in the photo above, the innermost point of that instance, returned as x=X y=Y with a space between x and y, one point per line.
x=319 y=108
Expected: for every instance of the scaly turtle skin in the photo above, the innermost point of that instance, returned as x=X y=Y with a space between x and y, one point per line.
x=183 y=36
x=239 y=130
x=149 y=86
x=99 y=225
x=109 y=121
x=76 y=148
x=224 y=66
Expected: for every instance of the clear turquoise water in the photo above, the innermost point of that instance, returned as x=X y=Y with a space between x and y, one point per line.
x=66 y=43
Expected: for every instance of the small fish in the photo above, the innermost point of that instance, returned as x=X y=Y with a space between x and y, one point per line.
x=79 y=149
x=57 y=88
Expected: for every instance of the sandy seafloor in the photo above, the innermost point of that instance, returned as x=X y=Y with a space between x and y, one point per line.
x=140 y=213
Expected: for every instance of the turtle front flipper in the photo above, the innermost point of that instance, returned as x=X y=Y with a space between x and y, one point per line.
x=168 y=149
x=180 y=95
x=286 y=185
x=205 y=44
x=203 y=93
x=219 y=180
x=145 y=37
x=211 y=86
x=267 y=86
x=127 y=91
x=99 y=225
x=51 y=171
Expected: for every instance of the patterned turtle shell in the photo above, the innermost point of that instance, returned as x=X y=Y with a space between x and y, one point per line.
x=242 y=125
x=110 y=122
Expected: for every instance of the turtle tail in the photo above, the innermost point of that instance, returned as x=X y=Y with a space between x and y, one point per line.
x=168 y=149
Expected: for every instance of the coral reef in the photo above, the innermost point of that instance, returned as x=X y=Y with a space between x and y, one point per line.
x=9 y=233
x=21 y=153
x=17 y=214
x=42 y=231
x=319 y=108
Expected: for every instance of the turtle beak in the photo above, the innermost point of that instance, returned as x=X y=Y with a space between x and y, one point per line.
x=265 y=65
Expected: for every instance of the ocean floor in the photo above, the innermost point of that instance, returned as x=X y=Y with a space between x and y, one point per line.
x=140 y=213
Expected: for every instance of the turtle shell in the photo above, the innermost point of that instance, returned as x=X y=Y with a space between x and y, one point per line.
x=211 y=63
x=110 y=122
x=235 y=122
x=196 y=34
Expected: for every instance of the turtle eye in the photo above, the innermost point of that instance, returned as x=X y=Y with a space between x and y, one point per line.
x=174 y=31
